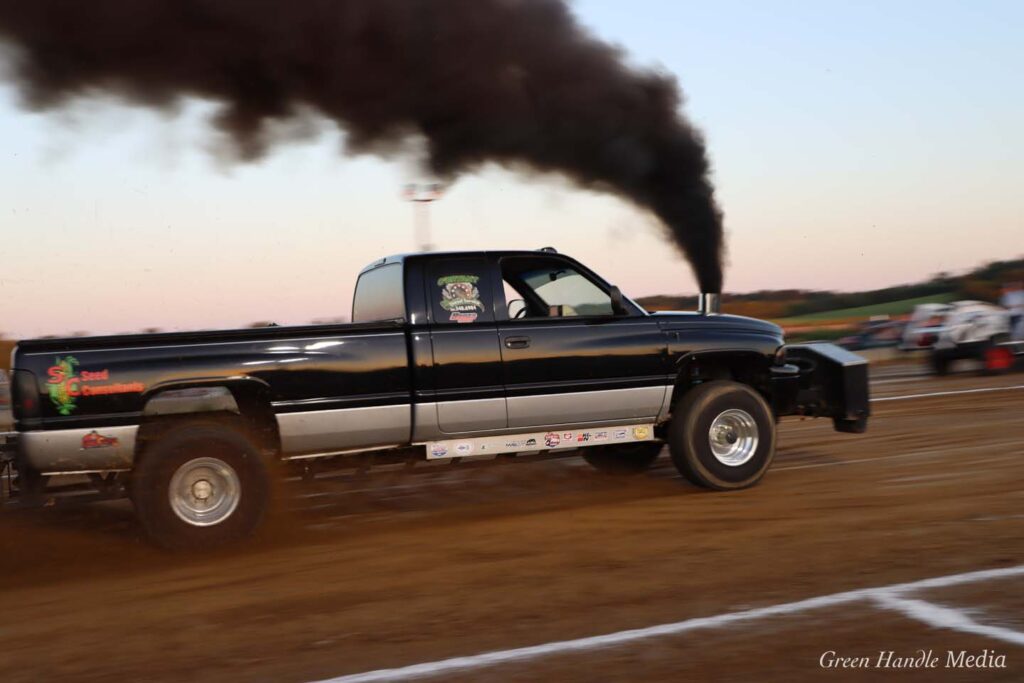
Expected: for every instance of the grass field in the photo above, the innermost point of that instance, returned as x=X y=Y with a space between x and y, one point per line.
x=901 y=307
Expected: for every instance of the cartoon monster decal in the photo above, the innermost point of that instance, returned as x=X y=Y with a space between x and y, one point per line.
x=461 y=297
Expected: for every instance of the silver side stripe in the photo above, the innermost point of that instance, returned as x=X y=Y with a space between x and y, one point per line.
x=324 y=431
x=638 y=404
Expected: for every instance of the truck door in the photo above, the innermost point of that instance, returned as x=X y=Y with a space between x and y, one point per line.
x=469 y=392
x=567 y=359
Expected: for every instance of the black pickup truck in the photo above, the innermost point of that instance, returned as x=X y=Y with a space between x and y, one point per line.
x=455 y=357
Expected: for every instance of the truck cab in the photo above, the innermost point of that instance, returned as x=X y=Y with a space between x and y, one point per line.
x=506 y=341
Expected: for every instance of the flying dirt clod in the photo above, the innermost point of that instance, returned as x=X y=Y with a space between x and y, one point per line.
x=514 y=82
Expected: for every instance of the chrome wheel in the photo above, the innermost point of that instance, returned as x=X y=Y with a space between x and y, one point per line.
x=733 y=437
x=204 y=491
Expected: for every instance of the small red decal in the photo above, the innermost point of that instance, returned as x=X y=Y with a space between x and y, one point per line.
x=96 y=440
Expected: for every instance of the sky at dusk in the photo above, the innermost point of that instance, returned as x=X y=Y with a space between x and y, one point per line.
x=854 y=145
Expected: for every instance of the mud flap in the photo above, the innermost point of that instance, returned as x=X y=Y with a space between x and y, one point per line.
x=823 y=380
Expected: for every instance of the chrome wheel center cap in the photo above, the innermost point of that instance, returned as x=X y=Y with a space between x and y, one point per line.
x=202 y=490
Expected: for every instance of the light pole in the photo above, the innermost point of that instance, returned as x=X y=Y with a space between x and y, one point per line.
x=421 y=194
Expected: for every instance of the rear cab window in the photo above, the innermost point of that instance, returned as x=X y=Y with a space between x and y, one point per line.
x=380 y=295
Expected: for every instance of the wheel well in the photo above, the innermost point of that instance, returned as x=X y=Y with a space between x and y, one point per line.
x=245 y=407
x=748 y=368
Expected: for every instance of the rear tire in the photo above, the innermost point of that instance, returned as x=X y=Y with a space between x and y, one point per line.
x=200 y=485
x=722 y=436
x=623 y=460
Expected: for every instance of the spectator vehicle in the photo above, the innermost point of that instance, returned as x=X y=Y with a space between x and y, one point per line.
x=962 y=330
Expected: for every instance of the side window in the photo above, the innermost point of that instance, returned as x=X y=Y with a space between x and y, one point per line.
x=460 y=291
x=554 y=289
x=379 y=295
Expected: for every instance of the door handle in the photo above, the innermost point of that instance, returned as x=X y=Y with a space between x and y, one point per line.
x=517 y=342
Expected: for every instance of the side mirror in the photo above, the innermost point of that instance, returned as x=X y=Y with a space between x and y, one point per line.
x=618 y=307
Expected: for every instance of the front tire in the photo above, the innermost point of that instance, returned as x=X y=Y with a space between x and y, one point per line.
x=722 y=436
x=200 y=485
x=623 y=460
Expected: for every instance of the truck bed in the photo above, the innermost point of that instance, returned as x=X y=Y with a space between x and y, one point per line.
x=62 y=344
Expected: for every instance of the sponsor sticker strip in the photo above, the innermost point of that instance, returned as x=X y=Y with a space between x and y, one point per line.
x=539 y=441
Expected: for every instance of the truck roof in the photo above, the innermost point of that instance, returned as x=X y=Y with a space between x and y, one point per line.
x=400 y=258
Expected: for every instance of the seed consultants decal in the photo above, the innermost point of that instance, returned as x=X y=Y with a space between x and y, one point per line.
x=65 y=384
x=461 y=297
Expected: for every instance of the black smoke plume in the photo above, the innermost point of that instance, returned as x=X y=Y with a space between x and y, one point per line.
x=514 y=82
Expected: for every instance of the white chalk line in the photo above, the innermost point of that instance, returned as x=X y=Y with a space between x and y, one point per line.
x=940 y=616
x=956 y=392
x=934 y=615
x=898 y=380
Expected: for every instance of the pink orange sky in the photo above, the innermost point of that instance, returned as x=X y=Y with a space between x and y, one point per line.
x=853 y=147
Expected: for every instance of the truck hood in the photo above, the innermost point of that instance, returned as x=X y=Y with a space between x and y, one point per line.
x=678 y=320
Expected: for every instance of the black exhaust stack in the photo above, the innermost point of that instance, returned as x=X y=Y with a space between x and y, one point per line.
x=709 y=304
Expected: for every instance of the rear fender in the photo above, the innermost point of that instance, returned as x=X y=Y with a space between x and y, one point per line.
x=245 y=399
x=197 y=399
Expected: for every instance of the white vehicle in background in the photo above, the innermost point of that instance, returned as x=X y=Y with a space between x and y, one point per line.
x=962 y=330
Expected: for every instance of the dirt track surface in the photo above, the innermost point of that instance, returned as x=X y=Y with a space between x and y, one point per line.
x=384 y=575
